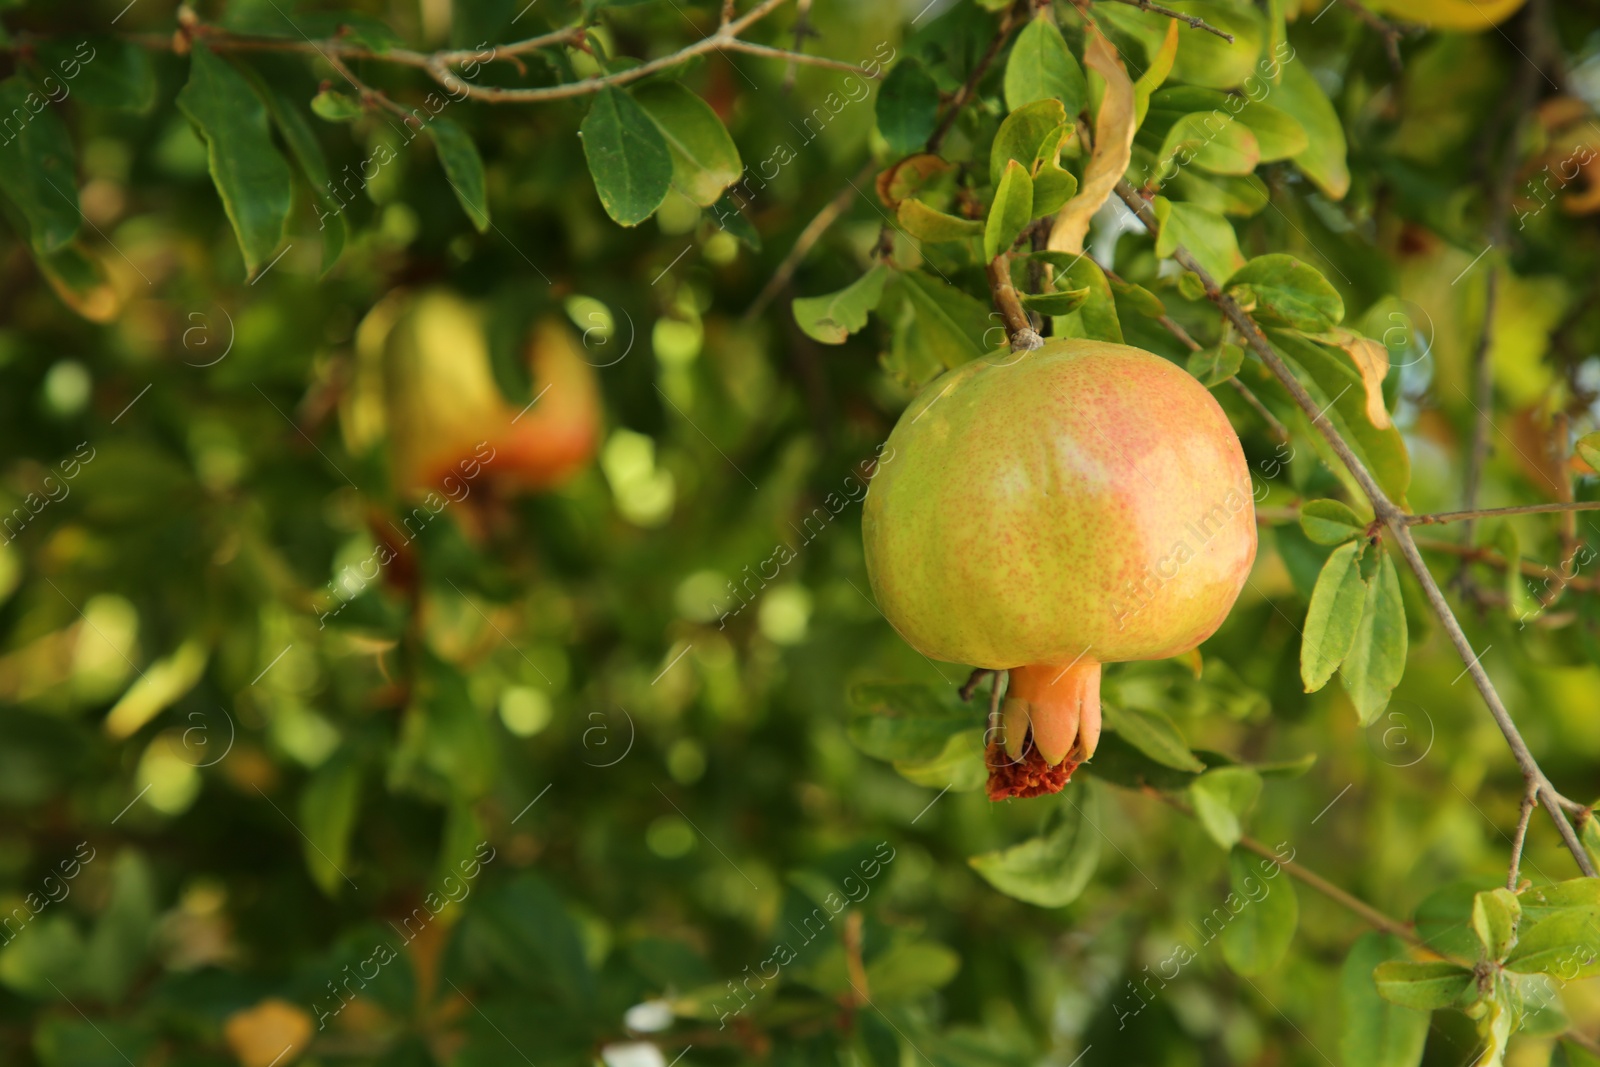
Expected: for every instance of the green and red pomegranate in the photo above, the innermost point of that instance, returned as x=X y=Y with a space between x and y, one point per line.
x=1051 y=511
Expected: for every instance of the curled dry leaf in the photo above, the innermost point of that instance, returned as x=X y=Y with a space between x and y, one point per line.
x=1113 y=146
x=1372 y=360
x=907 y=176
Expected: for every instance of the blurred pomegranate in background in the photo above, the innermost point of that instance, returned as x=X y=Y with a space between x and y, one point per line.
x=424 y=382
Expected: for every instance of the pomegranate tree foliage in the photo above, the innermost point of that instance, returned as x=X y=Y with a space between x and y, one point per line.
x=633 y=770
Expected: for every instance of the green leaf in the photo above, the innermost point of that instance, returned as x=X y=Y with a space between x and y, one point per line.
x=1520 y=601
x=1211 y=140
x=1024 y=134
x=1136 y=298
x=1057 y=303
x=1337 y=388
x=1207 y=235
x=1543 y=900
x=1375 y=1032
x=704 y=158
x=1153 y=733
x=1422 y=986
x=905 y=721
x=1566 y=945
x=1289 y=291
x=1588 y=449
x=729 y=216
x=103 y=72
x=121 y=943
x=1323 y=160
x=1161 y=60
x=1495 y=917
x=1258 y=936
x=1208 y=60
x=251 y=176
x=1225 y=194
x=911 y=969
x=1278 y=134
x=463 y=168
x=1222 y=798
x=926 y=224
x=38 y=171
x=1011 y=211
x=628 y=158
x=1330 y=522
x=1216 y=364
x=303 y=145
x=1049 y=870
x=328 y=807
x=960 y=767
x=334 y=106
x=949 y=323
x=1053 y=184
x=1042 y=68
x=1337 y=604
x=907 y=107
x=1096 y=317
x=49 y=958
x=832 y=317
x=1377 y=656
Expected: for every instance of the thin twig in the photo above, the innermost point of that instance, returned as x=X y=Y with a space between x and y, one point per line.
x=836 y=207
x=1193 y=20
x=1390 y=33
x=970 y=86
x=802 y=30
x=1390 y=515
x=440 y=65
x=1529 y=800
x=1491 y=558
x=973 y=681
x=1372 y=916
x=808 y=237
x=1487 y=513
x=796 y=57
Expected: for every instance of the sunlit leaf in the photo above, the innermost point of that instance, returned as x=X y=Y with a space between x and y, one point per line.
x=1337 y=605
x=1049 y=870
x=835 y=316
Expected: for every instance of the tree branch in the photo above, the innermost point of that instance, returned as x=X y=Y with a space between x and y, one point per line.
x=1194 y=21
x=1529 y=800
x=1487 y=513
x=440 y=65
x=1370 y=915
x=1391 y=516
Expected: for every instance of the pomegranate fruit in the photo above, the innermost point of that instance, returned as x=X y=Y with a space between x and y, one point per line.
x=447 y=417
x=1048 y=512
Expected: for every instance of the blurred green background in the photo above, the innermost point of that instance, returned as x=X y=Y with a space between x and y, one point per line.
x=539 y=788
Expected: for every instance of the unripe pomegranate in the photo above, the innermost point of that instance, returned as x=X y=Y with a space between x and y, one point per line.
x=447 y=417
x=1045 y=513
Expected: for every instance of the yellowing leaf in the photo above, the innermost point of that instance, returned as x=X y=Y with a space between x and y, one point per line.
x=1469 y=16
x=272 y=1032
x=157 y=689
x=1372 y=360
x=1156 y=73
x=1113 y=146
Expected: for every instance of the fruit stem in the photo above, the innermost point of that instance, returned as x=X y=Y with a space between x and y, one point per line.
x=1024 y=338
